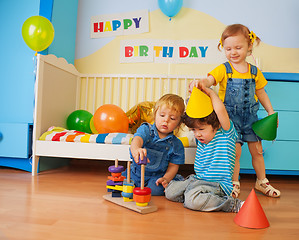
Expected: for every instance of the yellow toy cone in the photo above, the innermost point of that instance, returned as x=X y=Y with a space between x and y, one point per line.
x=266 y=128
x=199 y=104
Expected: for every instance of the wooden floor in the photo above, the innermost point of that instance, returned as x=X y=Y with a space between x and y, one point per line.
x=67 y=204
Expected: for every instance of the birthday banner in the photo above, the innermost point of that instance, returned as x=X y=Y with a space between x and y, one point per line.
x=119 y=24
x=170 y=51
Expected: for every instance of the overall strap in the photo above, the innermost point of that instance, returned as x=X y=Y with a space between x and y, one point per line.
x=229 y=70
x=228 y=67
x=150 y=126
x=253 y=71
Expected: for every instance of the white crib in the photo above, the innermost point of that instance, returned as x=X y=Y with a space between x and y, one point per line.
x=61 y=89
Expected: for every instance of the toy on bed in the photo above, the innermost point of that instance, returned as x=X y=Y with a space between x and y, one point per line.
x=110 y=118
x=142 y=112
x=110 y=122
x=136 y=199
x=79 y=120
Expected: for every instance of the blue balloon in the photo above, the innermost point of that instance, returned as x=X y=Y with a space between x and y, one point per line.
x=170 y=7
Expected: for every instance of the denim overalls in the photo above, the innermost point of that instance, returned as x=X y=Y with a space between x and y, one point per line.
x=158 y=152
x=241 y=105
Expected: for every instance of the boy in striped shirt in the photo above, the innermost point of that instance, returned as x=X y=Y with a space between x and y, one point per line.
x=210 y=189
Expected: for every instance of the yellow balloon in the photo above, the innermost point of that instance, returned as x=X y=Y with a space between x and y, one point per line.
x=92 y=127
x=38 y=33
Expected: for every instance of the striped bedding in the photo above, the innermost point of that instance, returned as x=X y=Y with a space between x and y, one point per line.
x=63 y=135
x=60 y=134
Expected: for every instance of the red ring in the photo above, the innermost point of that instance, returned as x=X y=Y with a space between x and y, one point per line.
x=144 y=191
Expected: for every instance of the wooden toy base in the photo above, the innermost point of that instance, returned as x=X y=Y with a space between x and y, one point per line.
x=131 y=205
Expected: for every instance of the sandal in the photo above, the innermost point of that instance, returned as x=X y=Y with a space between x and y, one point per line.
x=236 y=189
x=264 y=187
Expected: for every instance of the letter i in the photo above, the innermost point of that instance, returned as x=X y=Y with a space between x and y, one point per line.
x=135 y=51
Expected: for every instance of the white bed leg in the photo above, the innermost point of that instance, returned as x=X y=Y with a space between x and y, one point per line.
x=35 y=161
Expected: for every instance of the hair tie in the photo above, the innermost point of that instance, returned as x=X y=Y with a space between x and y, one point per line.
x=252 y=37
x=220 y=42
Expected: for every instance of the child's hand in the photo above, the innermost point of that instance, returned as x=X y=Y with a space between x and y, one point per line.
x=162 y=181
x=277 y=118
x=207 y=91
x=203 y=82
x=196 y=83
x=139 y=153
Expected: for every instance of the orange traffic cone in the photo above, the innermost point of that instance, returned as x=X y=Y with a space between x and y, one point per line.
x=251 y=214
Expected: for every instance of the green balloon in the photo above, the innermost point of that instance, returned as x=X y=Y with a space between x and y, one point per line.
x=38 y=33
x=79 y=120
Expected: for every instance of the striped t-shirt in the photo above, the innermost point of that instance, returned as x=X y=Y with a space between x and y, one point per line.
x=215 y=161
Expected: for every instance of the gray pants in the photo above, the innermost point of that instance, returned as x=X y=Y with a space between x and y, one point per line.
x=201 y=195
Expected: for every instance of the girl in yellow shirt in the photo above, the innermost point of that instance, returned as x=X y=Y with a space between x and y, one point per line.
x=241 y=88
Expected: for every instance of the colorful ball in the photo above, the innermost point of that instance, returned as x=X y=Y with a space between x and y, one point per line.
x=110 y=118
x=79 y=120
x=92 y=127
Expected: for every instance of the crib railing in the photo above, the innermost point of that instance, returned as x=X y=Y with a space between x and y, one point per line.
x=126 y=91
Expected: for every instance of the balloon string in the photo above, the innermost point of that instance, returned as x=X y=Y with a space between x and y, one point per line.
x=34 y=73
x=264 y=150
x=258 y=151
x=255 y=62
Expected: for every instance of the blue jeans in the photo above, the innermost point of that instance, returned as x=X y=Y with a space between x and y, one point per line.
x=201 y=195
x=150 y=181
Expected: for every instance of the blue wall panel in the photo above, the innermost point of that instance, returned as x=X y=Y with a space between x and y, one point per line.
x=64 y=20
x=17 y=62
